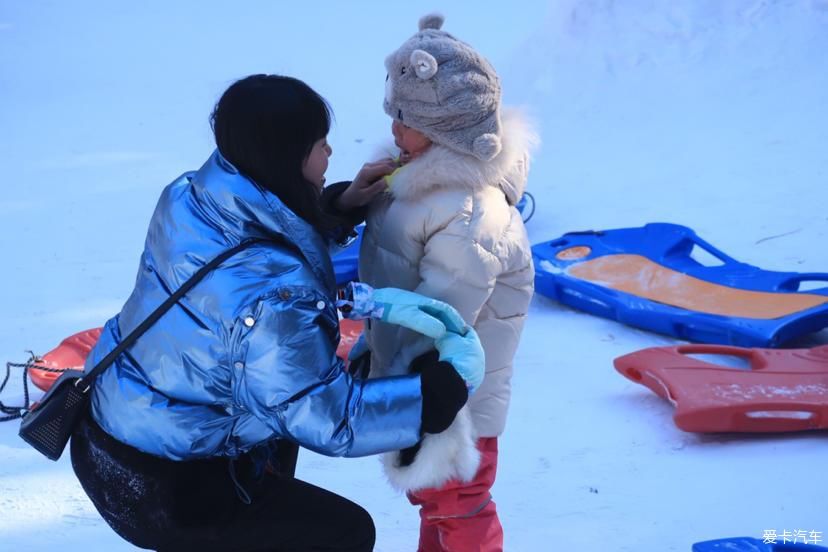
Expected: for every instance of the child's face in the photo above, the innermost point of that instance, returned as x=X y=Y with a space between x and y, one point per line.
x=411 y=142
x=316 y=163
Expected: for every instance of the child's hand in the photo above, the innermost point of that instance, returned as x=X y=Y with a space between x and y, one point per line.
x=367 y=184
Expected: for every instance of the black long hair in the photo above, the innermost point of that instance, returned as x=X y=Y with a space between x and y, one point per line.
x=266 y=125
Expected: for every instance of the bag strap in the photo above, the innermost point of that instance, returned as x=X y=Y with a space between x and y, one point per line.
x=85 y=383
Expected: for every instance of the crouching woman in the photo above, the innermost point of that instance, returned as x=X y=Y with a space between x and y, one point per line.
x=191 y=437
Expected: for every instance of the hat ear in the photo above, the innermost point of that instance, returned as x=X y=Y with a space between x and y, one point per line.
x=486 y=146
x=431 y=21
x=424 y=64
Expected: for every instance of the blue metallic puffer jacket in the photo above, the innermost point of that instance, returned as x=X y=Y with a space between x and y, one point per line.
x=248 y=355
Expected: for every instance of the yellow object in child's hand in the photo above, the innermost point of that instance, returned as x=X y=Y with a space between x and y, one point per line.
x=389 y=178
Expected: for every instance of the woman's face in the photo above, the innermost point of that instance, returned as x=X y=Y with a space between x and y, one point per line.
x=316 y=163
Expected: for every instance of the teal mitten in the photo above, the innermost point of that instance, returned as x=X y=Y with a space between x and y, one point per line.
x=465 y=354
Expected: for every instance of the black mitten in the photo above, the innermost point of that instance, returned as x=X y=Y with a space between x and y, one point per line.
x=444 y=394
x=425 y=359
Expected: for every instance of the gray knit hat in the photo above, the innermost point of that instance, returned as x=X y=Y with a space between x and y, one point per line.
x=442 y=87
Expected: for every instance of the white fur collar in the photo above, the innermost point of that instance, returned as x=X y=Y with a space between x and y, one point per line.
x=440 y=167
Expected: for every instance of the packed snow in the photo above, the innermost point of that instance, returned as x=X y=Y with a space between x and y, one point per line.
x=705 y=113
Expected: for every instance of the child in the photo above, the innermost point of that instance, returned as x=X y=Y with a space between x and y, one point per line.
x=447 y=228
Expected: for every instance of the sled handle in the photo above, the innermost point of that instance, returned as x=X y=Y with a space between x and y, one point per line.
x=565 y=241
x=721 y=255
x=585 y=233
x=752 y=355
x=705 y=349
x=793 y=283
x=780 y=416
x=756 y=417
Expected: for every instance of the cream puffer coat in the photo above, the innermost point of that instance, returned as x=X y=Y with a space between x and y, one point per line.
x=448 y=229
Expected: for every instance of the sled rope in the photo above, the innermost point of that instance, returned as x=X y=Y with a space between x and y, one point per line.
x=530 y=205
x=15 y=412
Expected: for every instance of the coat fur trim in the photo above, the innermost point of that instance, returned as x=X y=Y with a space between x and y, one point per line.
x=450 y=455
x=441 y=167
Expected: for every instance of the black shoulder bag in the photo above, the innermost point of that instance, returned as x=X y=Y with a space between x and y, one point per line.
x=49 y=424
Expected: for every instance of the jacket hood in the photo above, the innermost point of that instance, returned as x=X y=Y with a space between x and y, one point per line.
x=441 y=167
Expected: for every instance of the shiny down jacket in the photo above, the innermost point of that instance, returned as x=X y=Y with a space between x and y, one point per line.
x=248 y=355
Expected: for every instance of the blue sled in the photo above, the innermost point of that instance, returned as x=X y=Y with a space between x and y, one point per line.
x=346 y=261
x=746 y=544
x=674 y=247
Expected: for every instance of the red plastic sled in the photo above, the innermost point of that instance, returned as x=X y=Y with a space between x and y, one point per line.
x=349 y=331
x=784 y=390
x=72 y=352
x=69 y=355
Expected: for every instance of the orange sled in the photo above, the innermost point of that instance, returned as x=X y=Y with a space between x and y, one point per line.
x=784 y=390
x=72 y=352
x=349 y=331
x=69 y=355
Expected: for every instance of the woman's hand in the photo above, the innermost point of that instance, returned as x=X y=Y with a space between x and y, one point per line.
x=367 y=184
x=427 y=316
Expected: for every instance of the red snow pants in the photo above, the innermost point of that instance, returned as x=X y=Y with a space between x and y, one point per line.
x=462 y=517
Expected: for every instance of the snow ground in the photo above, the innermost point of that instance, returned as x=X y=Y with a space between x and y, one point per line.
x=700 y=112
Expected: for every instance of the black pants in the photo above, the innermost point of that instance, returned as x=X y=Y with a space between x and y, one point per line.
x=165 y=505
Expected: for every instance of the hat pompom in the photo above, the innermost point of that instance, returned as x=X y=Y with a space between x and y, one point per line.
x=486 y=146
x=431 y=21
x=424 y=64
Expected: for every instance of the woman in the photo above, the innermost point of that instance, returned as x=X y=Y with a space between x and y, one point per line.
x=181 y=447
